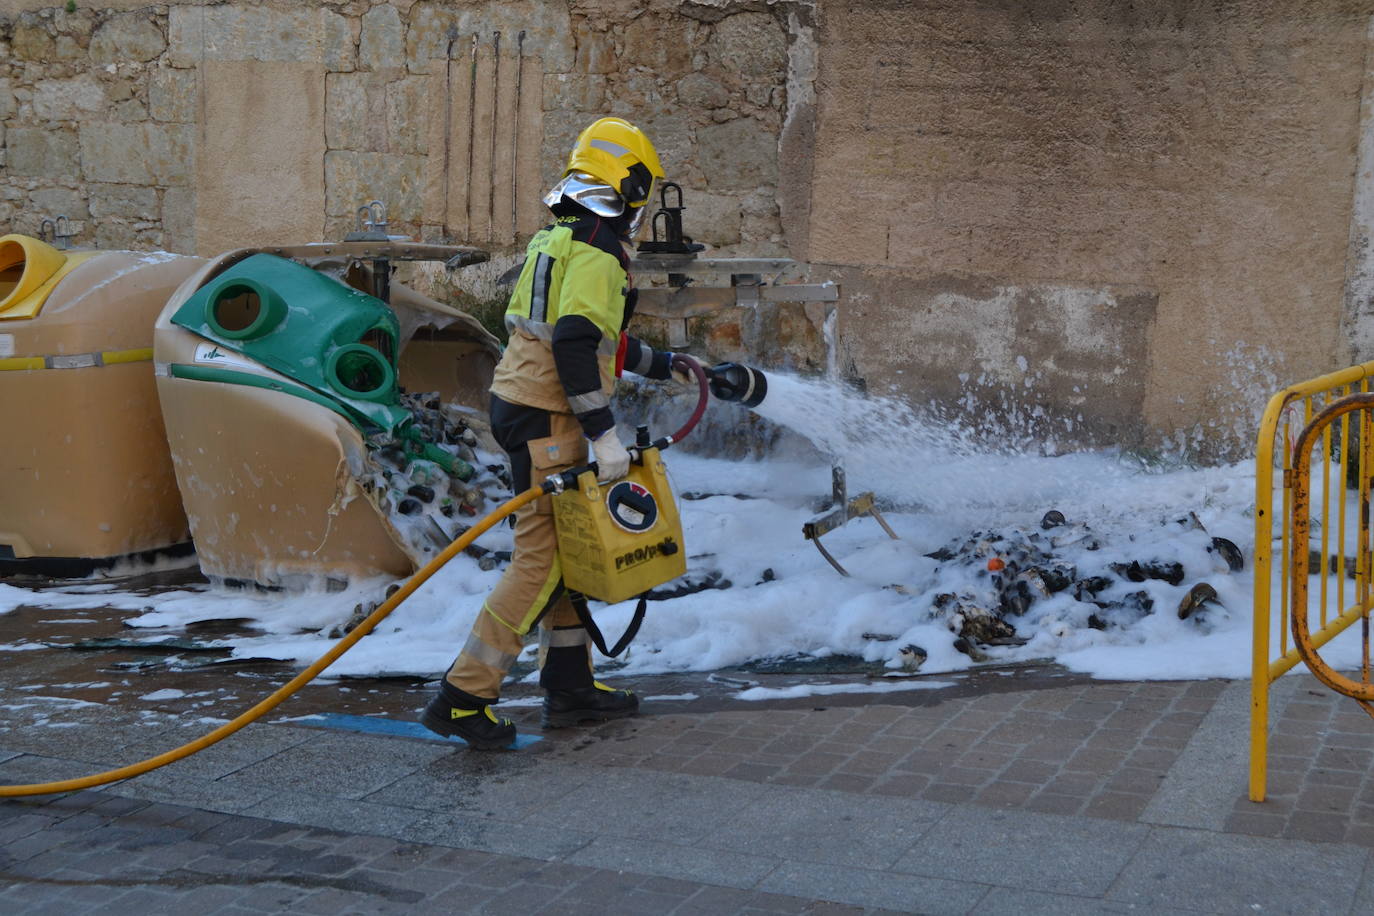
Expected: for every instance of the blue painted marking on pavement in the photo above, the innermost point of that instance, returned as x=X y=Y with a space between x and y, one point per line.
x=374 y=725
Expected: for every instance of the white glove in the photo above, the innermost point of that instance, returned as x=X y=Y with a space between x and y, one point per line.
x=682 y=375
x=612 y=461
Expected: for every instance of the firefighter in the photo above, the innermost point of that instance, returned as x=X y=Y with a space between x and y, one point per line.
x=550 y=401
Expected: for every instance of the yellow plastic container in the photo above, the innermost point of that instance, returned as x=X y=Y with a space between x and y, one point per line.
x=85 y=473
x=620 y=539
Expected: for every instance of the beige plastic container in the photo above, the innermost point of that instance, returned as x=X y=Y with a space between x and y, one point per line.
x=85 y=474
x=270 y=480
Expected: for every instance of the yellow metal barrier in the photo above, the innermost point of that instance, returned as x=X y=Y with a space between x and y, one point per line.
x=1287 y=436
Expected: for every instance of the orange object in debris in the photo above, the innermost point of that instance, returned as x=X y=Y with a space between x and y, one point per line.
x=996 y=564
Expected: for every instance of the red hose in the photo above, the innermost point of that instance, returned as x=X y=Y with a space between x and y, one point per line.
x=568 y=479
x=686 y=362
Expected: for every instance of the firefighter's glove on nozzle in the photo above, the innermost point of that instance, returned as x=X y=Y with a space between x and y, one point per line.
x=681 y=374
x=612 y=461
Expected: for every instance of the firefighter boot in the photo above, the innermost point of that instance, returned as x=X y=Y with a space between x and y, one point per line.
x=583 y=704
x=457 y=715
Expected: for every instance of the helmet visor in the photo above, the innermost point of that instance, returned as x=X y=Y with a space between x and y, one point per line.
x=595 y=195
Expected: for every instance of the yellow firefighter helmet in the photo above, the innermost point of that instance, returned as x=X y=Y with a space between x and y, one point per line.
x=615 y=151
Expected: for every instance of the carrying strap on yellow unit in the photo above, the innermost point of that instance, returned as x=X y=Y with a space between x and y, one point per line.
x=584 y=614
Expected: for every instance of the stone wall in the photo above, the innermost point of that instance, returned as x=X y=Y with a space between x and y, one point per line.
x=202 y=126
x=1114 y=223
x=1116 y=209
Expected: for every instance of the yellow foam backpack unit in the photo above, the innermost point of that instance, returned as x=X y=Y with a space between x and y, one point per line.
x=619 y=539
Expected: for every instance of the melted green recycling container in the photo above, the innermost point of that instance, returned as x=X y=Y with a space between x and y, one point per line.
x=339 y=344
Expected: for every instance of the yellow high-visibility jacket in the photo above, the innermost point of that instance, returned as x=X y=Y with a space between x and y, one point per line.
x=566 y=319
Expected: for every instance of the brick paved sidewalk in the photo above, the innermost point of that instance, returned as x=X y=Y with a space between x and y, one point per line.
x=94 y=852
x=1099 y=749
x=1008 y=792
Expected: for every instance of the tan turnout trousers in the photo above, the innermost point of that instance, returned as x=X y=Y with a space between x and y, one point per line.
x=531 y=590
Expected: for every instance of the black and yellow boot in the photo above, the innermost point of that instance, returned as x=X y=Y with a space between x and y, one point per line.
x=587 y=704
x=456 y=714
x=571 y=694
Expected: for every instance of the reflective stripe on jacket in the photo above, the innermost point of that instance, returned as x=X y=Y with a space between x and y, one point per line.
x=565 y=317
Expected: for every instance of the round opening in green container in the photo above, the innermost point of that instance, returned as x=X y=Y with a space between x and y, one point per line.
x=359 y=371
x=241 y=308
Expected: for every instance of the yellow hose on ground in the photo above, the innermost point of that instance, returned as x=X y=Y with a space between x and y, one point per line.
x=297 y=682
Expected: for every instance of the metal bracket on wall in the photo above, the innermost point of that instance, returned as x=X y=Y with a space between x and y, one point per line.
x=371 y=226
x=56 y=232
x=748 y=287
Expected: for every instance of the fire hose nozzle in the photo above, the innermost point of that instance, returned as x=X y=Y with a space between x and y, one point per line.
x=740 y=383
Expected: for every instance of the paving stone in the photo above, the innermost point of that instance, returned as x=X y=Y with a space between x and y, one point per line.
x=1316 y=826
x=817 y=764
x=1087 y=854
x=373 y=764
x=1071 y=783
x=1255 y=823
x=1050 y=803
x=490 y=835
x=330 y=811
x=114 y=806
x=1328 y=798
x=813 y=825
x=1004 y=794
x=449 y=783
x=870 y=888
x=712 y=901
x=1133 y=779
x=753 y=772
x=846 y=782
x=174 y=856
x=246 y=747
x=682 y=807
x=967 y=776
x=406 y=856
x=211 y=795
x=1113 y=739
x=15 y=825
x=670 y=860
x=905 y=785
x=801 y=780
x=1218 y=872
x=1336 y=777
x=949 y=792
x=1007 y=902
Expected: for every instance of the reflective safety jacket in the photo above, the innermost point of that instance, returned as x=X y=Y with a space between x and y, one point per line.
x=566 y=320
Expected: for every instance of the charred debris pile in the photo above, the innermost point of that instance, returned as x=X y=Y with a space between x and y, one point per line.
x=1003 y=576
x=433 y=476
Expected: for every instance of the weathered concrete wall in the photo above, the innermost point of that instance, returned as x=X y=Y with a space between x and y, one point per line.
x=987 y=173
x=1121 y=223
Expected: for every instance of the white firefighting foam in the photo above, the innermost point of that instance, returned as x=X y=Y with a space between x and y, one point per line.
x=743 y=526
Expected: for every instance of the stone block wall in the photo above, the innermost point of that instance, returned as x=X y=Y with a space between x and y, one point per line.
x=1114 y=223
x=91 y=127
x=200 y=126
